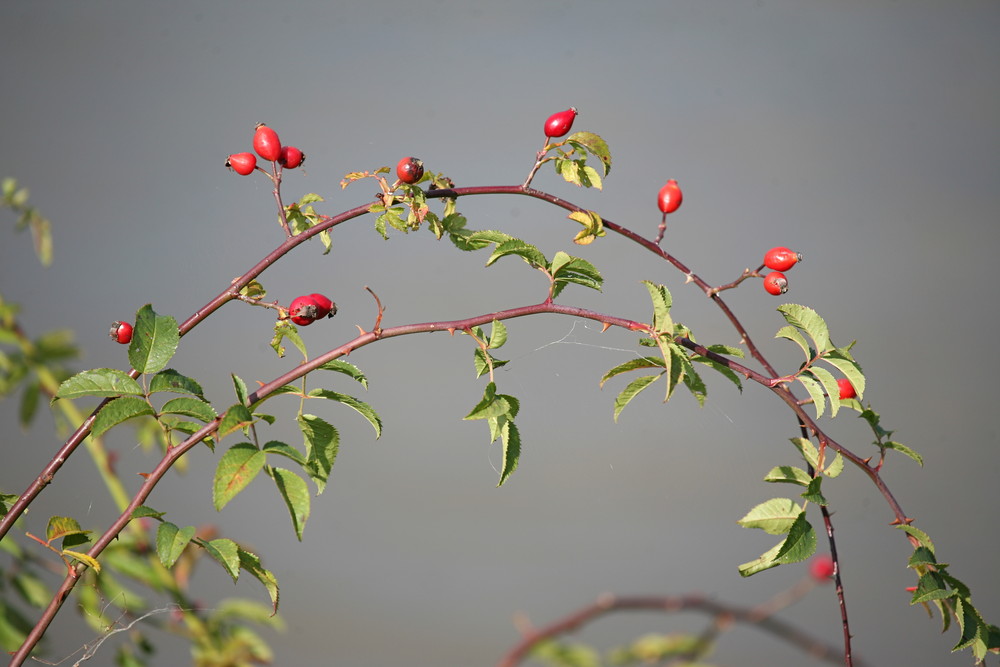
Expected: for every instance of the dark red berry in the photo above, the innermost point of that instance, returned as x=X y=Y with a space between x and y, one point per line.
x=303 y=311
x=242 y=163
x=846 y=389
x=781 y=259
x=670 y=197
x=776 y=283
x=410 y=170
x=291 y=157
x=266 y=143
x=121 y=332
x=560 y=123
x=324 y=307
x=821 y=568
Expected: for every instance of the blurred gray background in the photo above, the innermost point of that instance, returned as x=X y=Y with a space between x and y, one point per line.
x=863 y=134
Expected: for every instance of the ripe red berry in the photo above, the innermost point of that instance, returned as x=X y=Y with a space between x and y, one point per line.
x=821 y=568
x=266 y=143
x=291 y=157
x=324 y=307
x=410 y=170
x=846 y=389
x=121 y=332
x=776 y=283
x=242 y=163
x=303 y=311
x=560 y=123
x=781 y=259
x=670 y=197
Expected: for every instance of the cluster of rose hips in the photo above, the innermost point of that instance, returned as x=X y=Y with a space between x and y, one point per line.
x=268 y=146
x=304 y=310
x=780 y=259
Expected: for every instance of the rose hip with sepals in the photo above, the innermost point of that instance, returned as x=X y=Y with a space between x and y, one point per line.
x=242 y=163
x=121 y=332
x=266 y=143
x=560 y=123
x=410 y=170
x=324 y=307
x=291 y=157
x=303 y=311
x=670 y=197
x=846 y=389
x=776 y=283
x=781 y=259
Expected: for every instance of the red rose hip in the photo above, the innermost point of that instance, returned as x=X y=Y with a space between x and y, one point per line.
x=821 y=568
x=121 y=332
x=410 y=170
x=324 y=307
x=781 y=259
x=846 y=389
x=266 y=143
x=670 y=197
x=291 y=157
x=776 y=283
x=303 y=311
x=242 y=163
x=560 y=123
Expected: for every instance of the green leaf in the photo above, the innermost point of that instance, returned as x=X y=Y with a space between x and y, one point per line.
x=829 y=385
x=815 y=390
x=29 y=403
x=143 y=511
x=31 y=589
x=322 y=443
x=154 y=341
x=923 y=539
x=286 y=450
x=594 y=145
x=360 y=406
x=789 y=475
x=498 y=335
x=236 y=469
x=809 y=321
x=119 y=410
x=491 y=405
x=566 y=269
x=800 y=543
x=235 y=418
x=792 y=334
x=923 y=556
x=630 y=391
x=171 y=542
x=172 y=381
x=808 y=450
x=662 y=300
x=593 y=225
x=631 y=365
x=190 y=407
x=103 y=382
x=692 y=380
x=775 y=516
x=482 y=363
x=348 y=369
x=525 y=251
x=295 y=492
x=835 y=468
x=251 y=563
x=285 y=329
x=850 y=368
x=226 y=552
x=903 y=449
x=242 y=395
x=813 y=493
x=511 y=438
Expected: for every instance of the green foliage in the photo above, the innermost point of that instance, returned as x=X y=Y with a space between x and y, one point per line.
x=16 y=199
